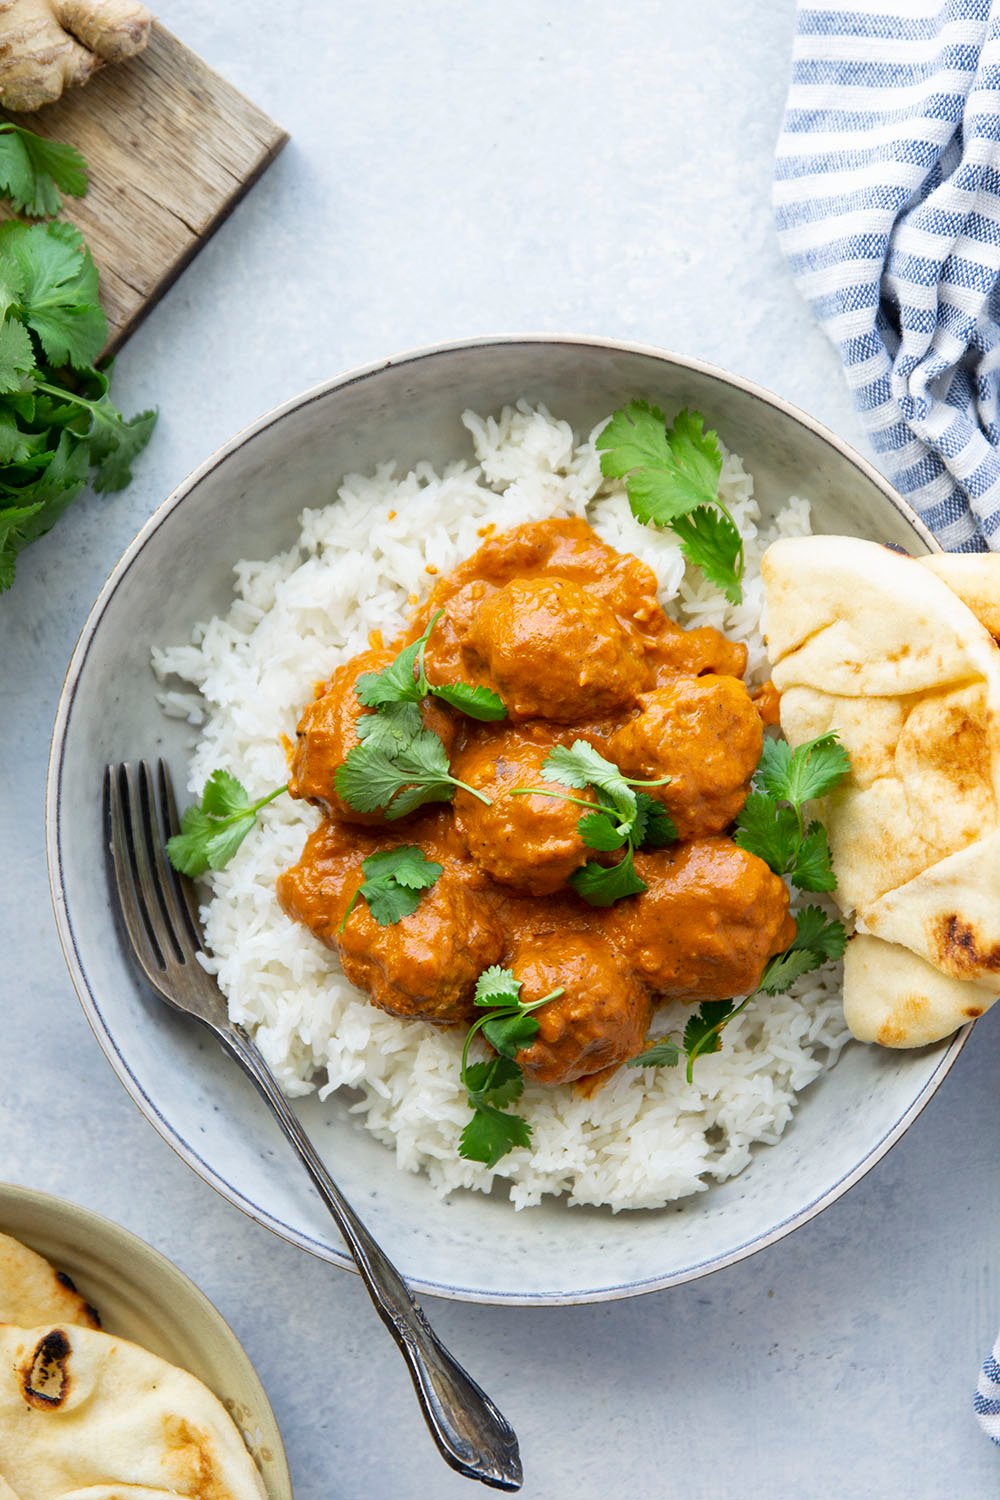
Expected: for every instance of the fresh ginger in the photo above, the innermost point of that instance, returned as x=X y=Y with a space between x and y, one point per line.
x=47 y=46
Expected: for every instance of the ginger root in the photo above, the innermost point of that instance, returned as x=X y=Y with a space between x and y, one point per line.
x=47 y=46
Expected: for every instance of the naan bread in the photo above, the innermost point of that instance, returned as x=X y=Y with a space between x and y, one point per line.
x=975 y=578
x=881 y=649
x=84 y=1414
x=32 y=1292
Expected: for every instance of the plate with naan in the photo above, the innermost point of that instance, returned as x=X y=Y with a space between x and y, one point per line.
x=116 y=1373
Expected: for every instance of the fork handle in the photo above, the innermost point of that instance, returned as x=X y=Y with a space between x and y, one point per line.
x=472 y=1435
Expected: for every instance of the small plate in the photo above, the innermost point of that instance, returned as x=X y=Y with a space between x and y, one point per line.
x=143 y=1297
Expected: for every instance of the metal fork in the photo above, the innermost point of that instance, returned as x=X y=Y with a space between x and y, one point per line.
x=161 y=917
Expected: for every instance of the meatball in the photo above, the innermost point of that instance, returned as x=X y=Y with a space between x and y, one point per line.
x=711 y=918
x=705 y=734
x=530 y=843
x=424 y=965
x=690 y=653
x=599 y=1021
x=327 y=732
x=555 y=651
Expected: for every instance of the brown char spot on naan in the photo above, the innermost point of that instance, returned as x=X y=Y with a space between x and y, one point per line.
x=192 y=1468
x=959 y=952
x=44 y=1377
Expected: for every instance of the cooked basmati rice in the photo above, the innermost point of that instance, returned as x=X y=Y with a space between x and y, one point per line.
x=361 y=563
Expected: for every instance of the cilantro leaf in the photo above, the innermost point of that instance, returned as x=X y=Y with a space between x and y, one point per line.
x=701 y=1034
x=769 y=830
x=391 y=729
x=393 y=884
x=581 y=766
x=396 y=683
x=32 y=170
x=781 y=971
x=801 y=775
x=212 y=831
x=663 y=1053
x=397 y=775
x=475 y=702
x=498 y=1082
x=671 y=477
x=116 y=445
x=654 y=827
x=496 y=986
x=598 y=831
x=491 y=1134
x=508 y=1034
x=59 y=301
x=603 y=885
x=812 y=866
x=17 y=356
x=711 y=540
x=819 y=933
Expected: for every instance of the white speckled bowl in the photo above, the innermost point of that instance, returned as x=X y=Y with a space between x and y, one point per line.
x=243 y=502
x=142 y=1296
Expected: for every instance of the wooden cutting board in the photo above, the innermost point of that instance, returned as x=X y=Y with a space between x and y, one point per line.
x=171 y=148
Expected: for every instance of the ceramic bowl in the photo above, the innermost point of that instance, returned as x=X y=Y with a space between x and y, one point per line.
x=243 y=502
x=143 y=1297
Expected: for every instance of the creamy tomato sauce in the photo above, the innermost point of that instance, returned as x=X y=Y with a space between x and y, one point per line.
x=569 y=632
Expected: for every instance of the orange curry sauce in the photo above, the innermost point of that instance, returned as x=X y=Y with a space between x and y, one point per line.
x=569 y=632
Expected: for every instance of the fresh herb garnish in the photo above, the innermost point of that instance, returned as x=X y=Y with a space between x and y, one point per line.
x=671 y=476
x=399 y=776
x=405 y=681
x=772 y=824
x=493 y=1085
x=58 y=427
x=621 y=818
x=817 y=940
x=33 y=170
x=212 y=832
x=393 y=883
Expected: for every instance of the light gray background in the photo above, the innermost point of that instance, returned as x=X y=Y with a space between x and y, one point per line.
x=458 y=168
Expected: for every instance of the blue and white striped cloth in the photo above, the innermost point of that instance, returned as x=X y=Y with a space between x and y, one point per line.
x=887 y=197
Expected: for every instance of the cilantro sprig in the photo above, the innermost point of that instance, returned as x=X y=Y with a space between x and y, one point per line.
x=58 y=425
x=493 y=1085
x=772 y=824
x=394 y=881
x=400 y=764
x=622 y=818
x=404 y=680
x=818 y=939
x=213 y=830
x=33 y=171
x=671 y=476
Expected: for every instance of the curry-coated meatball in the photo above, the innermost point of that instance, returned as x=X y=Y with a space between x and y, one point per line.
x=530 y=843
x=705 y=734
x=555 y=651
x=600 y=1019
x=426 y=964
x=707 y=924
x=327 y=732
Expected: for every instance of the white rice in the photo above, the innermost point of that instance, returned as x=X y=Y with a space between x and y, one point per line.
x=643 y=1139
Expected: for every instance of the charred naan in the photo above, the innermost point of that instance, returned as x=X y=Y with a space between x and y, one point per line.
x=85 y=1413
x=32 y=1291
x=882 y=649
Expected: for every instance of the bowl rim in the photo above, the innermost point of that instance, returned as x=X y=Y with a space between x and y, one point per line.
x=90 y=1221
x=53 y=840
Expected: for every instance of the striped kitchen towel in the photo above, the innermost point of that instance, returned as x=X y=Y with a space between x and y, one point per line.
x=887 y=198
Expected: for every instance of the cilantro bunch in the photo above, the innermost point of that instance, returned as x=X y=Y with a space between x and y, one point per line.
x=772 y=825
x=671 y=476
x=622 y=819
x=493 y=1085
x=59 y=429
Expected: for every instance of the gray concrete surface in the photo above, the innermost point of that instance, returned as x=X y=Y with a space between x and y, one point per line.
x=457 y=169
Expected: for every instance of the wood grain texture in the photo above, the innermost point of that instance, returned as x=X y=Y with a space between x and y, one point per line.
x=171 y=148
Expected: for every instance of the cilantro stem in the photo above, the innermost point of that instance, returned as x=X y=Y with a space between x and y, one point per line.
x=720 y=1026
x=99 y=411
x=422 y=682
x=467 y=788
x=521 y=1008
x=541 y=791
x=248 y=812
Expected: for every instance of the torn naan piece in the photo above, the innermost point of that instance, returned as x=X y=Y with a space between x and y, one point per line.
x=975 y=578
x=881 y=649
x=32 y=1291
x=85 y=1413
